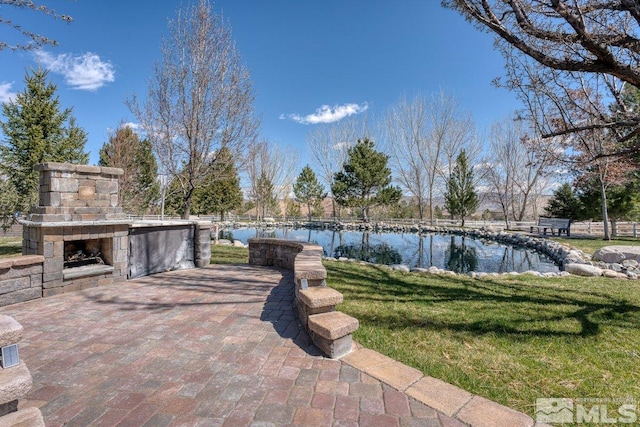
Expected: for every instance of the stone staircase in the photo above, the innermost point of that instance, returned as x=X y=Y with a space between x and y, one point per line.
x=15 y=382
x=330 y=330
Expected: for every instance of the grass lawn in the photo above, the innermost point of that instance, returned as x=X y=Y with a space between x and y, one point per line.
x=511 y=339
x=592 y=244
x=10 y=246
x=222 y=254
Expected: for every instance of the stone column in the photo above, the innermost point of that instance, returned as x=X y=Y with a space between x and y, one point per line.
x=202 y=242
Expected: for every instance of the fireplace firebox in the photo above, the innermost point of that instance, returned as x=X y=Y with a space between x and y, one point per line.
x=80 y=253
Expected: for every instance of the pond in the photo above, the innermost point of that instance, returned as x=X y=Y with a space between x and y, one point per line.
x=461 y=254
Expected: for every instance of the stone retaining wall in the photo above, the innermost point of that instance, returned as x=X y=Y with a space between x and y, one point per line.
x=330 y=330
x=20 y=279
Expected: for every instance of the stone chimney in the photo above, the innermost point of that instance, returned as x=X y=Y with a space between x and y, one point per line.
x=77 y=193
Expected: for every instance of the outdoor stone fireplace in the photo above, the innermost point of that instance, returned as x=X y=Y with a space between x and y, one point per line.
x=86 y=240
x=79 y=228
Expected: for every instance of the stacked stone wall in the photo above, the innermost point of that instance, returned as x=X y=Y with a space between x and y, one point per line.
x=20 y=279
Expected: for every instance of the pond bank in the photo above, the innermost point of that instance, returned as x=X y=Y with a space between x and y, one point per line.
x=570 y=260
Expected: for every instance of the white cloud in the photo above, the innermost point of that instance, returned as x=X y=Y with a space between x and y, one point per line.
x=5 y=92
x=134 y=126
x=84 y=72
x=327 y=114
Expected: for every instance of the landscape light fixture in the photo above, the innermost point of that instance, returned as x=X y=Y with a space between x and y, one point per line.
x=10 y=356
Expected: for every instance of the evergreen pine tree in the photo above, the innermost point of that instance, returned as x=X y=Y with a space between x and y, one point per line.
x=308 y=189
x=461 y=198
x=138 y=186
x=37 y=131
x=365 y=179
x=147 y=175
x=220 y=192
x=564 y=204
x=265 y=197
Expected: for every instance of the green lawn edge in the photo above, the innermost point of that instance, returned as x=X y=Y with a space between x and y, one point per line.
x=511 y=339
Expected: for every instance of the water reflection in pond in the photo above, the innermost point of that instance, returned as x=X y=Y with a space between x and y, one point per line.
x=456 y=253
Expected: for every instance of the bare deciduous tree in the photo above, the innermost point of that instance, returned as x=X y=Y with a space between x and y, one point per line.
x=514 y=168
x=593 y=150
x=424 y=136
x=269 y=163
x=33 y=40
x=570 y=107
x=407 y=129
x=200 y=99
x=551 y=46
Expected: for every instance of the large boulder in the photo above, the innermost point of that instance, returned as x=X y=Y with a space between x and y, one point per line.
x=616 y=254
x=583 y=270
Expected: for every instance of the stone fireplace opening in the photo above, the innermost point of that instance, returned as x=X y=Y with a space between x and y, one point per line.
x=80 y=253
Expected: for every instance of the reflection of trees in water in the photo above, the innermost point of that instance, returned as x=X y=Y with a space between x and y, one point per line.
x=518 y=260
x=460 y=257
x=381 y=253
x=268 y=233
x=415 y=250
x=225 y=235
x=332 y=245
x=424 y=259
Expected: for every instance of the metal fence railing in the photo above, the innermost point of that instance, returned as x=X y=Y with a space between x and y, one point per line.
x=584 y=228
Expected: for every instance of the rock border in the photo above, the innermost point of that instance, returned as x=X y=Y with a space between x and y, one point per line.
x=571 y=261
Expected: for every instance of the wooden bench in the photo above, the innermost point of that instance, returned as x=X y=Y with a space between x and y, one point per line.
x=563 y=225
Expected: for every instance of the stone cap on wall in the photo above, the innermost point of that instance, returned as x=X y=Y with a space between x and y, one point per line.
x=69 y=167
x=20 y=261
x=46 y=224
x=168 y=223
x=10 y=331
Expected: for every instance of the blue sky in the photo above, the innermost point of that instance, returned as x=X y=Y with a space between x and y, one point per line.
x=347 y=55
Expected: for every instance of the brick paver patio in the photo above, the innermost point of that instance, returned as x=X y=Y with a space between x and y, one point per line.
x=219 y=346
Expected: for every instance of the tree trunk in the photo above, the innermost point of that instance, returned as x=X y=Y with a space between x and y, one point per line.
x=605 y=212
x=614 y=229
x=421 y=208
x=187 y=207
x=430 y=204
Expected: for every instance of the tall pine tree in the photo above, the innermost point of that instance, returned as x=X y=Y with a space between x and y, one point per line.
x=220 y=191
x=460 y=198
x=265 y=197
x=37 y=131
x=365 y=179
x=308 y=189
x=138 y=186
x=564 y=204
